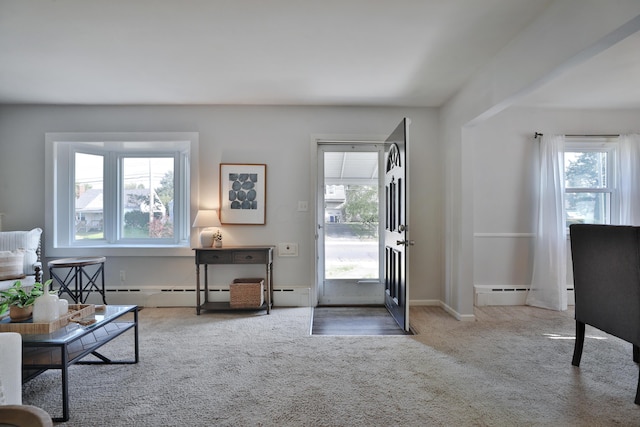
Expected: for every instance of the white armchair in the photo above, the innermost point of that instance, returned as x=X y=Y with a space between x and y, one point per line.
x=10 y=368
x=12 y=411
x=20 y=257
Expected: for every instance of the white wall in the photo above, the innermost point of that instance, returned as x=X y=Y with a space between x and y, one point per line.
x=505 y=181
x=277 y=136
x=567 y=33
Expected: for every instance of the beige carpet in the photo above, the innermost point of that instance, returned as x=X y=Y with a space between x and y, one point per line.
x=243 y=369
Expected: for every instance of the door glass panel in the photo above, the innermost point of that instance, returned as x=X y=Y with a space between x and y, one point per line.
x=351 y=215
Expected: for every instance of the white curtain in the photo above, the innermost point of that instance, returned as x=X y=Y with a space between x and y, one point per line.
x=629 y=179
x=548 y=283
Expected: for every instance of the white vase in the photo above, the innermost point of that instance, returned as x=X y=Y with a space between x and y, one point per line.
x=45 y=308
x=63 y=306
x=217 y=244
x=206 y=237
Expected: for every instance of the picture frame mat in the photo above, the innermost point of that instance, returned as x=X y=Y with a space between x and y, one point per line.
x=248 y=209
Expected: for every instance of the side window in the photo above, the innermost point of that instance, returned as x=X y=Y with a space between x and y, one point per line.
x=590 y=196
x=89 y=196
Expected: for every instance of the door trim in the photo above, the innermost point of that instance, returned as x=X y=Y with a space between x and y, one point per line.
x=315 y=140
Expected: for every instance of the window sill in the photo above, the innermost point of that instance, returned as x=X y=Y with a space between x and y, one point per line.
x=120 y=251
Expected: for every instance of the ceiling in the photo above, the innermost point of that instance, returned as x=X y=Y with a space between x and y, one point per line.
x=344 y=167
x=276 y=52
x=609 y=80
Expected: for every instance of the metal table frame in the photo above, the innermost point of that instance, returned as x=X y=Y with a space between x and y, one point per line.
x=74 y=283
x=67 y=346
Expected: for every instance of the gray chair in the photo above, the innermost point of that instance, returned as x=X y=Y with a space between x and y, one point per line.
x=606 y=274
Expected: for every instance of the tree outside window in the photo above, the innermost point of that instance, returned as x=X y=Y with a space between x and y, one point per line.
x=588 y=186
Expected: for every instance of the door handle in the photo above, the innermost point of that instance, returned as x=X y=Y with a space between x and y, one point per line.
x=405 y=242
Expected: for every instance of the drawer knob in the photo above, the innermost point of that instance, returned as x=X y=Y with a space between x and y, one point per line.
x=249 y=257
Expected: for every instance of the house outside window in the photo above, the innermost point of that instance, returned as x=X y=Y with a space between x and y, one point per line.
x=145 y=210
x=120 y=191
x=590 y=192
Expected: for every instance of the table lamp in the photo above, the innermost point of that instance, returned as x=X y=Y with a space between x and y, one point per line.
x=207 y=220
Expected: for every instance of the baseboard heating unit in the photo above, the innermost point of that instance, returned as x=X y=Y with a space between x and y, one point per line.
x=186 y=297
x=506 y=295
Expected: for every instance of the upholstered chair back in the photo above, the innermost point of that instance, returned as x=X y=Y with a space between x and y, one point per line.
x=606 y=274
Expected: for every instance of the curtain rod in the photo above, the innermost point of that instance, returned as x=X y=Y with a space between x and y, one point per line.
x=538 y=134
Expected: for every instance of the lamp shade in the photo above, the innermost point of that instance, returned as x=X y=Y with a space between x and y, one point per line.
x=207 y=218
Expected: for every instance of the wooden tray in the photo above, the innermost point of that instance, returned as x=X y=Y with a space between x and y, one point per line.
x=77 y=311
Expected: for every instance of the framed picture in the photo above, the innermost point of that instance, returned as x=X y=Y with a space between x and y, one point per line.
x=243 y=193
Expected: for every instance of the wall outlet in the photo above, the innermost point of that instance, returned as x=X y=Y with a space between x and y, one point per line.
x=122 y=276
x=303 y=206
x=287 y=249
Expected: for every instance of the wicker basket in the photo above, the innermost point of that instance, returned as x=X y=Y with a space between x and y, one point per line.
x=246 y=293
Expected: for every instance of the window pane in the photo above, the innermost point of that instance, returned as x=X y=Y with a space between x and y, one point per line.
x=147 y=205
x=588 y=208
x=89 y=200
x=585 y=169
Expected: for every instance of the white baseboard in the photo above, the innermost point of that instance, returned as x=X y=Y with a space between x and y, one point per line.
x=292 y=297
x=445 y=307
x=186 y=297
x=424 y=302
x=485 y=295
x=458 y=316
x=299 y=296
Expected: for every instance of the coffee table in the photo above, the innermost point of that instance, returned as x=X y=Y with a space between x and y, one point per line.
x=70 y=344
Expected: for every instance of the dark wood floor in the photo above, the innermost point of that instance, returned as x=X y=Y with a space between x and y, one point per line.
x=354 y=321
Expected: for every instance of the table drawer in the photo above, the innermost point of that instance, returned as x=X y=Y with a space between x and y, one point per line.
x=214 y=257
x=249 y=257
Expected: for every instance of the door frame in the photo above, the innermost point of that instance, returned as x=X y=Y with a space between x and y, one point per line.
x=349 y=291
x=315 y=140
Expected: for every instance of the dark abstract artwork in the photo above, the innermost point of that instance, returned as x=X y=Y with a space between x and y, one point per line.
x=242 y=193
x=243 y=190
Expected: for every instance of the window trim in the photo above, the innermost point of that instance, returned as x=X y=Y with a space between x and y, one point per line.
x=145 y=143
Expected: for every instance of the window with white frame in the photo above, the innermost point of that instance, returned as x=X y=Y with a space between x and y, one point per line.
x=590 y=184
x=120 y=190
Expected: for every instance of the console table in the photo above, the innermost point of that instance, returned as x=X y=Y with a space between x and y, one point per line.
x=232 y=255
